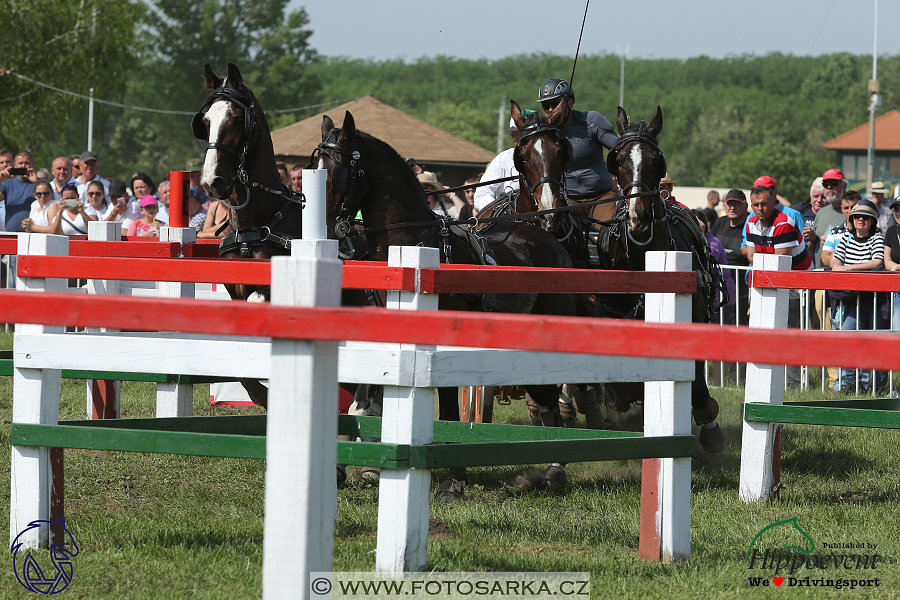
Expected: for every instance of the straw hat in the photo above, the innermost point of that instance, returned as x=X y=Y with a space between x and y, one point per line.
x=428 y=177
x=667 y=180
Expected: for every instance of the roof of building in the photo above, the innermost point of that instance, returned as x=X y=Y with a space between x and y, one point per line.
x=887 y=135
x=409 y=136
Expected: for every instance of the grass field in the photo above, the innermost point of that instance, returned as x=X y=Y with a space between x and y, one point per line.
x=158 y=526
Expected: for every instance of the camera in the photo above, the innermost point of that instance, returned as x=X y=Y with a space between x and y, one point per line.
x=18 y=171
x=68 y=202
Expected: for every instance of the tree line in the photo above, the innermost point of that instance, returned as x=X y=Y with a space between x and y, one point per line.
x=725 y=119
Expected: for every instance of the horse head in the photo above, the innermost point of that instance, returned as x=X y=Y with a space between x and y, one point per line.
x=234 y=127
x=639 y=165
x=337 y=154
x=540 y=157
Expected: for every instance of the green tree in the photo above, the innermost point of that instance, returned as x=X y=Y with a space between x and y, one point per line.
x=270 y=47
x=792 y=168
x=70 y=45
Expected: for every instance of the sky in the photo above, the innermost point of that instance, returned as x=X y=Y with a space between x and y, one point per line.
x=494 y=29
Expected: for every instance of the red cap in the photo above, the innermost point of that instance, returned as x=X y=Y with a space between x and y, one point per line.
x=766 y=181
x=833 y=174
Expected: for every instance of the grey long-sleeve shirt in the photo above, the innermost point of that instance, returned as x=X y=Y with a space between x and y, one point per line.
x=586 y=174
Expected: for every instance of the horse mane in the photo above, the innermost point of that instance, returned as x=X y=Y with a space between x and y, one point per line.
x=386 y=153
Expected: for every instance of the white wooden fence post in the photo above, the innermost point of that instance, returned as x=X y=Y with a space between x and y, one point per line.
x=301 y=434
x=175 y=399
x=103 y=397
x=408 y=418
x=765 y=384
x=35 y=400
x=666 y=482
x=314 y=226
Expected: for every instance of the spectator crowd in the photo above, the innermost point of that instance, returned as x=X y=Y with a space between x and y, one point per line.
x=65 y=198
x=833 y=229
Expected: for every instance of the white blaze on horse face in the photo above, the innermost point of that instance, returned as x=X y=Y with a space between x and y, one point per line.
x=636 y=168
x=546 y=199
x=217 y=116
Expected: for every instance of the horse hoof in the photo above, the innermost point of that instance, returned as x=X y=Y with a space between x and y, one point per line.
x=341 y=474
x=712 y=438
x=707 y=414
x=555 y=477
x=370 y=474
x=452 y=490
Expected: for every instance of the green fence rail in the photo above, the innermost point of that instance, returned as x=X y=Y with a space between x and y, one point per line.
x=475 y=444
x=881 y=413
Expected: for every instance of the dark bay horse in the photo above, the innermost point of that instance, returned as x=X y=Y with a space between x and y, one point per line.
x=626 y=231
x=365 y=174
x=240 y=171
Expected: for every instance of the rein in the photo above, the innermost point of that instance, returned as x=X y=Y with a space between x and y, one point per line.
x=475 y=221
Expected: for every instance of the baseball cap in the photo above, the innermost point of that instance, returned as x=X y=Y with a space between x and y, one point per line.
x=148 y=200
x=737 y=195
x=195 y=164
x=833 y=174
x=117 y=188
x=766 y=181
x=86 y=156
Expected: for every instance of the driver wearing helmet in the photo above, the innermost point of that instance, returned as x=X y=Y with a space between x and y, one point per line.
x=502 y=166
x=586 y=175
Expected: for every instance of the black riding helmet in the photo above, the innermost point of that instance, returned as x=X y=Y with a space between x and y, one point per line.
x=555 y=88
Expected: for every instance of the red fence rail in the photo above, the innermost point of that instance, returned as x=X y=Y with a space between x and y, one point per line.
x=874 y=281
x=517 y=332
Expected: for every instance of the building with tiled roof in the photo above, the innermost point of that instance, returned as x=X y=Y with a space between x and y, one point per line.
x=852 y=148
x=451 y=157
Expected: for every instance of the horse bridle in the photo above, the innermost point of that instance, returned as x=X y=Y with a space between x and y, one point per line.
x=612 y=165
x=199 y=131
x=342 y=177
x=538 y=129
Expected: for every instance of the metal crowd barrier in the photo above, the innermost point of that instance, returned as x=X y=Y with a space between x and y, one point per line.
x=720 y=374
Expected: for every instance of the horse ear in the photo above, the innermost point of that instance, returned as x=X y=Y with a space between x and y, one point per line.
x=327 y=126
x=212 y=80
x=348 y=130
x=234 y=77
x=621 y=121
x=516 y=114
x=656 y=125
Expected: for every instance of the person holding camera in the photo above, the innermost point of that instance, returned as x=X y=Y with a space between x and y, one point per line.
x=45 y=212
x=73 y=220
x=17 y=190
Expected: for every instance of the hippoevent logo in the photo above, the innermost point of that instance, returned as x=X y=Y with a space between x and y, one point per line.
x=787 y=556
x=29 y=572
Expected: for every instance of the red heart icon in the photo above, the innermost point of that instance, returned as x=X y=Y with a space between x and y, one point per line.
x=777 y=581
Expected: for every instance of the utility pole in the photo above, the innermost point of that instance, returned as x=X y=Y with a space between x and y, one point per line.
x=874 y=103
x=91 y=122
x=501 y=124
x=622 y=73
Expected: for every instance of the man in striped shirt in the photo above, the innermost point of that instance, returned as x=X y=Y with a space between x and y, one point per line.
x=772 y=231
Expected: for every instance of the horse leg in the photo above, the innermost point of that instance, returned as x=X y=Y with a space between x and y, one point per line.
x=705 y=410
x=547 y=398
x=367 y=403
x=453 y=488
x=259 y=394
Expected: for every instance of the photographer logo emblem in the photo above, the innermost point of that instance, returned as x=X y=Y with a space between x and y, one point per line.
x=49 y=579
